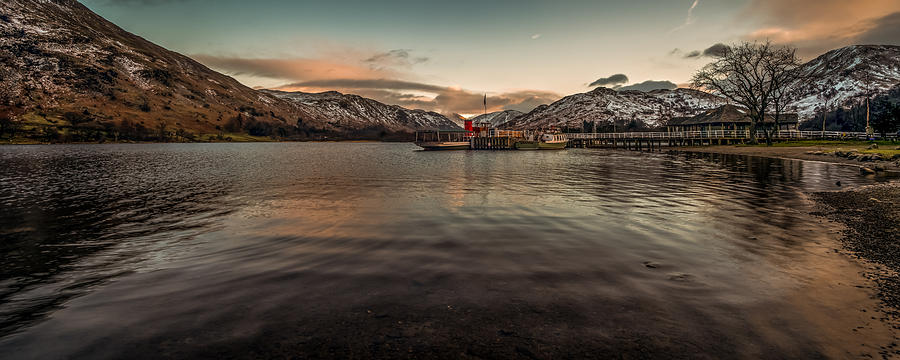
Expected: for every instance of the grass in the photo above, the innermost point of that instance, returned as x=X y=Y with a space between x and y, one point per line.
x=803 y=143
x=887 y=149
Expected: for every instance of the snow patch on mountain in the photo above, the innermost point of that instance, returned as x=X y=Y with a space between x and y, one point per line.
x=356 y=112
x=603 y=105
x=846 y=76
x=498 y=118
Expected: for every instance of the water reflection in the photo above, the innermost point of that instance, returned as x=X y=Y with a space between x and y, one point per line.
x=265 y=249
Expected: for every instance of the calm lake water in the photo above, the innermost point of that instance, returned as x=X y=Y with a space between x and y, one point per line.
x=378 y=250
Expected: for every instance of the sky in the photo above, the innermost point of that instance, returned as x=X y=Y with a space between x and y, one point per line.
x=445 y=55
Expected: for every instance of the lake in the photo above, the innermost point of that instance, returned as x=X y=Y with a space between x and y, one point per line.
x=359 y=250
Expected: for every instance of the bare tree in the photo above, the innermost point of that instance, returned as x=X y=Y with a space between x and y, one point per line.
x=827 y=95
x=752 y=75
x=787 y=81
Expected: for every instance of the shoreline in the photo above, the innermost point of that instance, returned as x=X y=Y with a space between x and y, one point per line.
x=868 y=215
x=807 y=153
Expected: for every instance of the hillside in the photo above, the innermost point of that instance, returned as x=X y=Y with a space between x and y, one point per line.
x=843 y=77
x=498 y=118
x=67 y=74
x=353 y=113
x=604 y=105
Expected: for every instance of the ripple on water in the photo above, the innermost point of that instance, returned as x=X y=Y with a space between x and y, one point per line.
x=238 y=240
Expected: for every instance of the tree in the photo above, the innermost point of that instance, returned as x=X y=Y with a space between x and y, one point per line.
x=162 y=134
x=8 y=125
x=750 y=75
x=885 y=115
x=786 y=81
x=827 y=96
x=235 y=124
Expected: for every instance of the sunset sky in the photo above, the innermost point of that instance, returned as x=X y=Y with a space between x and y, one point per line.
x=444 y=55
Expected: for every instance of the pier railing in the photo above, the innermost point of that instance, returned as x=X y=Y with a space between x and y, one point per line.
x=721 y=134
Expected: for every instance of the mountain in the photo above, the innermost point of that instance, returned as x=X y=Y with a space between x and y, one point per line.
x=63 y=66
x=498 y=118
x=355 y=113
x=603 y=105
x=844 y=76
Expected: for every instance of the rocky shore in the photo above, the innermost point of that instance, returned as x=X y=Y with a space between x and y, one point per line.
x=871 y=216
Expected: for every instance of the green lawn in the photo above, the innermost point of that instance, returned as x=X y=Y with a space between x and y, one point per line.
x=857 y=143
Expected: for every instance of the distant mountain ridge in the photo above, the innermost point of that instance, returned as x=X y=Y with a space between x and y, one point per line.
x=841 y=77
x=603 y=105
x=346 y=111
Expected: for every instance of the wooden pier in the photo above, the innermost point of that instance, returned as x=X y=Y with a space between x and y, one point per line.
x=657 y=140
x=497 y=139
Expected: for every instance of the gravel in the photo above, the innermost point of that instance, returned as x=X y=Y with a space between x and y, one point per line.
x=871 y=215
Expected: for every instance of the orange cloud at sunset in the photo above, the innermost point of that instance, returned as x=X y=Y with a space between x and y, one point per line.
x=378 y=77
x=816 y=26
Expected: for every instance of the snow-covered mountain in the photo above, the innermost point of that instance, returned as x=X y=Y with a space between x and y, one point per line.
x=498 y=118
x=353 y=112
x=60 y=63
x=844 y=76
x=605 y=105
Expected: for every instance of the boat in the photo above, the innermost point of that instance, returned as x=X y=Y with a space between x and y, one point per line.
x=442 y=140
x=444 y=145
x=547 y=141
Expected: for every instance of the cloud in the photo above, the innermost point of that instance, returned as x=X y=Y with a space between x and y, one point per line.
x=716 y=50
x=816 y=26
x=293 y=69
x=689 y=19
x=616 y=79
x=378 y=76
x=883 y=31
x=395 y=58
x=650 y=85
x=535 y=36
x=417 y=95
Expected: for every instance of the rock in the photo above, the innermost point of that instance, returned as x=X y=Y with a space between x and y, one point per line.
x=873 y=146
x=879 y=167
x=866 y=171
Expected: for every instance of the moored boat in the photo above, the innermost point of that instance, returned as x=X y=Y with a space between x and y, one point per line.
x=442 y=140
x=444 y=145
x=546 y=141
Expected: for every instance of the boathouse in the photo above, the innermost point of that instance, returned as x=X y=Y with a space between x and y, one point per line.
x=726 y=117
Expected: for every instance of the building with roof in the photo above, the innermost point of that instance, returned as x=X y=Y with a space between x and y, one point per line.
x=727 y=117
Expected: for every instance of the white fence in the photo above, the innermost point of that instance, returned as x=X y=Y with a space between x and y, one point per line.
x=723 y=134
